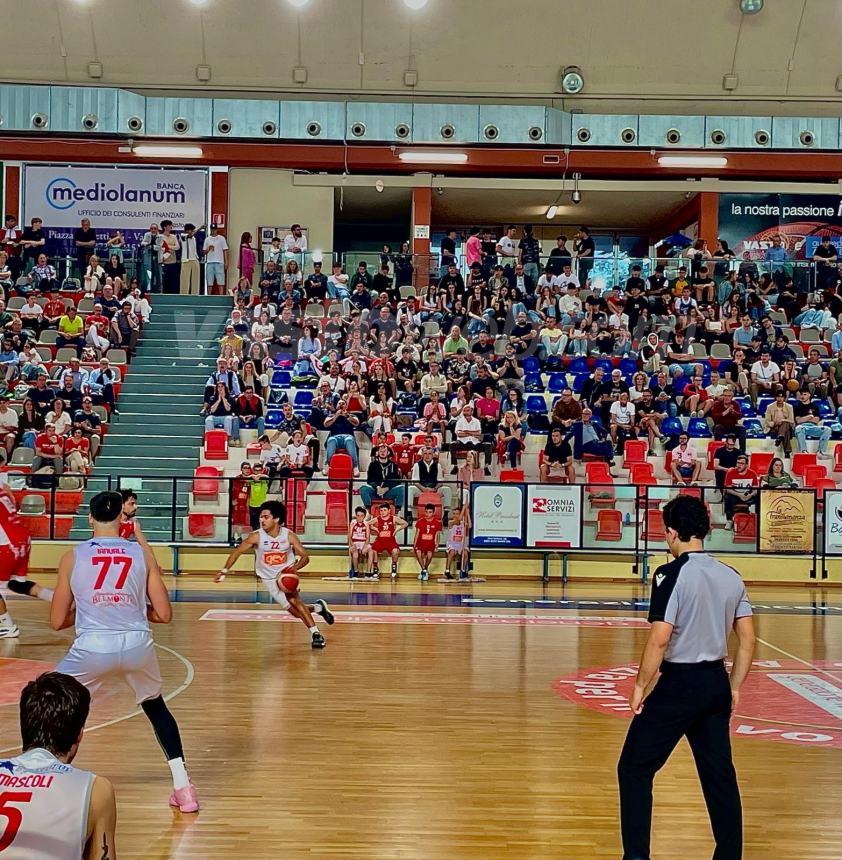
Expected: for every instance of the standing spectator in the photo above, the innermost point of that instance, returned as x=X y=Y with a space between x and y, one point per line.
x=507 y=253
x=84 y=240
x=809 y=424
x=222 y=412
x=585 y=251
x=169 y=257
x=32 y=241
x=686 y=466
x=116 y=244
x=777 y=254
x=559 y=256
x=125 y=329
x=246 y=259
x=529 y=254
x=825 y=258
x=216 y=261
x=189 y=278
x=49 y=450
x=741 y=485
x=295 y=242
x=383 y=480
x=447 y=252
x=10 y=237
x=780 y=421
x=71 y=330
x=473 y=248
x=724 y=459
x=152 y=255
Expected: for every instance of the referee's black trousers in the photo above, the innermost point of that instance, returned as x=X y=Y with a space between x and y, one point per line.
x=692 y=699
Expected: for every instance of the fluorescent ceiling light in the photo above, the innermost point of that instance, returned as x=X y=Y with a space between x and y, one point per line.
x=298 y=3
x=692 y=160
x=156 y=151
x=417 y=156
x=415 y=4
x=552 y=212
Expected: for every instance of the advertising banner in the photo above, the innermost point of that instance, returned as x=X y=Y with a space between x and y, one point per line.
x=748 y=222
x=128 y=199
x=554 y=516
x=787 y=521
x=833 y=522
x=497 y=515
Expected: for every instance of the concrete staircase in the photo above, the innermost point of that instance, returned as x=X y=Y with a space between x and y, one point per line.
x=158 y=432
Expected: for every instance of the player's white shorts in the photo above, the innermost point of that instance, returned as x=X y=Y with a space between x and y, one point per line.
x=136 y=664
x=277 y=595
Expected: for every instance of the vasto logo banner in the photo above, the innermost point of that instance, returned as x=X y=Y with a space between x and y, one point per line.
x=123 y=198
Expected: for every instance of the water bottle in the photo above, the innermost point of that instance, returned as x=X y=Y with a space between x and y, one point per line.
x=627 y=519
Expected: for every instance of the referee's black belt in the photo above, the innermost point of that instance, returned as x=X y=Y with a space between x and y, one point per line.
x=668 y=666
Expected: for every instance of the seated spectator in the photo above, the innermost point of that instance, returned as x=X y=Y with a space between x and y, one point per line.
x=686 y=466
x=725 y=459
x=469 y=473
x=434 y=416
x=815 y=376
x=8 y=428
x=622 y=426
x=77 y=452
x=71 y=396
x=261 y=330
x=71 y=330
x=341 y=425
x=468 y=436
x=566 y=411
x=809 y=424
x=42 y=277
x=381 y=410
x=510 y=438
x=100 y=384
x=271 y=456
x=726 y=416
x=54 y=310
x=90 y=424
x=558 y=458
x=94 y=276
x=289 y=423
x=140 y=305
x=32 y=315
x=222 y=412
x=251 y=410
x=295 y=459
x=60 y=418
x=49 y=450
x=779 y=421
x=31 y=364
x=648 y=418
x=553 y=339
x=741 y=485
x=30 y=424
x=270 y=281
x=9 y=361
x=426 y=478
x=41 y=395
x=522 y=334
x=125 y=328
x=309 y=350
x=777 y=477
x=590 y=438
x=337 y=284
x=383 y=480
x=765 y=376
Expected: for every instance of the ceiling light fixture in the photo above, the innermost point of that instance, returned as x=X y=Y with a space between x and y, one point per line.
x=298 y=3
x=750 y=7
x=156 y=151
x=708 y=161
x=552 y=211
x=415 y=5
x=576 y=196
x=420 y=156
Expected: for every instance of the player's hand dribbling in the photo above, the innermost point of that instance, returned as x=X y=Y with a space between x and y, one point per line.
x=220 y=577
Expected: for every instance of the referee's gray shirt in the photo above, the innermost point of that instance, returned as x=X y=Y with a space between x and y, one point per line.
x=701 y=597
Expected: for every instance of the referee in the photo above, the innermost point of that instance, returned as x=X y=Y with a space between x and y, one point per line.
x=696 y=600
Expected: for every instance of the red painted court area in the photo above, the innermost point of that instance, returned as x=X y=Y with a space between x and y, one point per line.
x=15 y=674
x=781 y=700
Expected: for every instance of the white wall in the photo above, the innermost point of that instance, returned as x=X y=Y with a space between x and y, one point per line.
x=265 y=197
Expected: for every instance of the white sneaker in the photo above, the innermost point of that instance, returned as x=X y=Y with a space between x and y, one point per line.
x=10 y=632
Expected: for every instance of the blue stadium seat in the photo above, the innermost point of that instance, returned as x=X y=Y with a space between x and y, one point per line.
x=557 y=383
x=538 y=423
x=698 y=428
x=553 y=363
x=530 y=364
x=745 y=407
x=754 y=428
x=825 y=409
x=532 y=383
x=281 y=379
x=273 y=417
x=535 y=403
x=605 y=363
x=629 y=366
x=763 y=404
x=303 y=399
x=578 y=382
x=579 y=365
x=671 y=427
x=283 y=360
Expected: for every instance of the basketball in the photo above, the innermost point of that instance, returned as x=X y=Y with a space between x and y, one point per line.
x=288 y=580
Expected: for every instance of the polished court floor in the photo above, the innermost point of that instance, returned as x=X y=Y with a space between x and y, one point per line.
x=443 y=723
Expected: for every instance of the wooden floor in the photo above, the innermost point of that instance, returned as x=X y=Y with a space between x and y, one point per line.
x=431 y=741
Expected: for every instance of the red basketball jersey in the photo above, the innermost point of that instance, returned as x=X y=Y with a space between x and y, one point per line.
x=127 y=529
x=427 y=530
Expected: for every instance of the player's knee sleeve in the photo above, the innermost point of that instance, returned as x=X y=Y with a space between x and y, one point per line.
x=165 y=727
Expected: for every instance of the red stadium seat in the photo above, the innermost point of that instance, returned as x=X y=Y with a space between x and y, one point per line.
x=336 y=512
x=200 y=525
x=340 y=470
x=800 y=461
x=713 y=447
x=206 y=483
x=758 y=461
x=837 y=458
x=429 y=497
x=216 y=445
x=654 y=528
x=640 y=473
x=634 y=452
x=745 y=528
x=513 y=476
x=814 y=474
x=609 y=525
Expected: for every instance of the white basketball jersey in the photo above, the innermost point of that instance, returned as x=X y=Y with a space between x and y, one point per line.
x=109 y=584
x=273 y=554
x=45 y=808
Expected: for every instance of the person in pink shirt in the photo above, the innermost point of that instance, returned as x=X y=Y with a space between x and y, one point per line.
x=487 y=409
x=685 y=467
x=248 y=258
x=473 y=247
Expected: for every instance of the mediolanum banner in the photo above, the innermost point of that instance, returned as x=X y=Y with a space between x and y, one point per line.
x=121 y=198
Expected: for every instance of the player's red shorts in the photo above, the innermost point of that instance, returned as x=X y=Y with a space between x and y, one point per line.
x=385 y=544
x=14 y=559
x=426 y=542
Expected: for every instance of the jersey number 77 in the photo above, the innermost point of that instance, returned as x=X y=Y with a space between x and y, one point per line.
x=105 y=563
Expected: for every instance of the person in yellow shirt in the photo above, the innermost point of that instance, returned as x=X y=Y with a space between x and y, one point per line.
x=680 y=282
x=71 y=330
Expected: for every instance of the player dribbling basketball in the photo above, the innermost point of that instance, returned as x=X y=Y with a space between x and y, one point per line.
x=279 y=555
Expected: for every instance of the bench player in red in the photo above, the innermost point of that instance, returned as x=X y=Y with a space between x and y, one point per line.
x=15 y=544
x=383 y=528
x=427 y=531
x=358 y=545
x=279 y=556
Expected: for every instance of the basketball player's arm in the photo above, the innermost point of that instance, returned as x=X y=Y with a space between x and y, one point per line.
x=102 y=822
x=249 y=543
x=62 y=607
x=302 y=559
x=650 y=663
x=744 y=628
x=159 y=610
